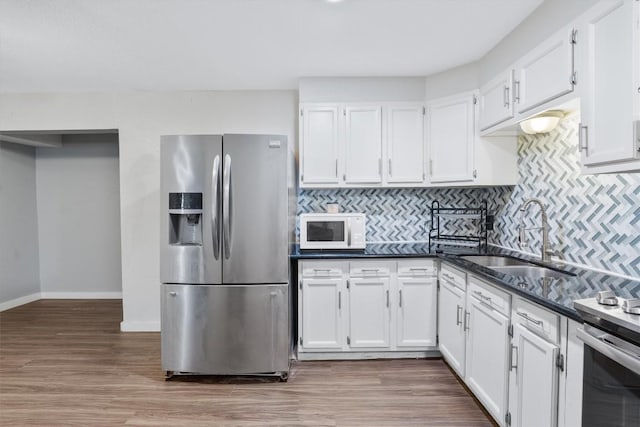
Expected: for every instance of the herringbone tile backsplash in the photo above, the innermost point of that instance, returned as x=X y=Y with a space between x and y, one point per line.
x=594 y=220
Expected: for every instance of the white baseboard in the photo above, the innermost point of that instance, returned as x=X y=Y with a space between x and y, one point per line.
x=81 y=295
x=19 y=301
x=58 y=295
x=127 y=326
x=303 y=356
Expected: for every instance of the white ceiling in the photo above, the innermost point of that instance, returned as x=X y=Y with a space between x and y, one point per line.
x=104 y=45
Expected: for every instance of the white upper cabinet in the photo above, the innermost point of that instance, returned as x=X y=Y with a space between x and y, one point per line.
x=451 y=133
x=609 y=132
x=405 y=144
x=319 y=154
x=363 y=144
x=545 y=73
x=495 y=100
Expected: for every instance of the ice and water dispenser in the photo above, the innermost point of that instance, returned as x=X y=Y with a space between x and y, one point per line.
x=185 y=219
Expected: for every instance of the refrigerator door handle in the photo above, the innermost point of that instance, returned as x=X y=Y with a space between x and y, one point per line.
x=227 y=210
x=215 y=214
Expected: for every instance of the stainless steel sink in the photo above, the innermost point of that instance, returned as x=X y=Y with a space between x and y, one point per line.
x=514 y=266
x=530 y=271
x=496 y=261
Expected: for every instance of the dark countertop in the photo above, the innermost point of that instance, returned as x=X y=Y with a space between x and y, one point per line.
x=556 y=294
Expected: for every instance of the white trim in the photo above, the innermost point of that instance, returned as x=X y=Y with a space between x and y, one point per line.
x=573 y=264
x=139 y=326
x=81 y=295
x=368 y=355
x=19 y=301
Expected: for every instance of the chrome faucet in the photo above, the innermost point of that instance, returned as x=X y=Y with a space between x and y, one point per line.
x=546 y=250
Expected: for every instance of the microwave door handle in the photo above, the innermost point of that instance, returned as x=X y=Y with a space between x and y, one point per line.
x=215 y=215
x=348 y=233
x=227 y=209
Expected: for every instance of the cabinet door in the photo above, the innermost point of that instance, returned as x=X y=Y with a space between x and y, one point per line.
x=451 y=136
x=607 y=128
x=319 y=145
x=495 y=101
x=451 y=326
x=363 y=144
x=533 y=380
x=487 y=357
x=405 y=144
x=416 y=312
x=546 y=72
x=322 y=307
x=369 y=312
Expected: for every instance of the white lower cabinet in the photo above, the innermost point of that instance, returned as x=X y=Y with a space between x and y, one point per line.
x=353 y=308
x=416 y=312
x=369 y=312
x=521 y=361
x=570 y=387
x=533 y=380
x=535 y=366
x=322 y=293
x=452 y=318
x=487 y=346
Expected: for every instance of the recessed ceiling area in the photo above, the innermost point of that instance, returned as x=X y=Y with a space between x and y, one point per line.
x=97 y=45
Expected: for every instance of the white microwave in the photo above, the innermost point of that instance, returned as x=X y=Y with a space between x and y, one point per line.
x=332 y=231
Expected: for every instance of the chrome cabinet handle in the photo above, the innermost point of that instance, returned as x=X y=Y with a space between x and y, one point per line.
x=349 y=234
x=390 y=167
x=482 y=297
x=583 y=138
x=446 y=276
x=506 y=96
x=339 y=300
x=467 y=318
x=516 y=91
x=526 y=316
x=458 y=313
x=512 y=364
x=336 y=168
x=387 y=298
x=172 y=293
x=380 y=166
x=400 y=297
x=226 y=206
x=215 y=217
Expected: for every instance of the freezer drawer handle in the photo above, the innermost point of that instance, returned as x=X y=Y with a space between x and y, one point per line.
x=227 y=209
x=215 y=217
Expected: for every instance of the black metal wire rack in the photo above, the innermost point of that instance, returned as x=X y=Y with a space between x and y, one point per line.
x=473 y=235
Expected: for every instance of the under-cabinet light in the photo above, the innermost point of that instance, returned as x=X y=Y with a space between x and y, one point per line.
x=542 y=123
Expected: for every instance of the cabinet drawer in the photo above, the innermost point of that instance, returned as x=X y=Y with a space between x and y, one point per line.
x=323 y=269
x=453 y=276
x=537 y=319
x=416 y=268
x=370 y=269
x=490 y=295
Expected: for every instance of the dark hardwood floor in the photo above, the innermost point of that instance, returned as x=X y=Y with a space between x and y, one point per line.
x=65 y=362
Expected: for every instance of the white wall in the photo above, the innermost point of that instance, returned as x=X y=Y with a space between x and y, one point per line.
x=19 y=265
x=361 y=89
x=141 y=118
x=79 y=217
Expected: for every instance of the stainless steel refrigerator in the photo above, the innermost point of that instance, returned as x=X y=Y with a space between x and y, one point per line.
x=225 y=237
